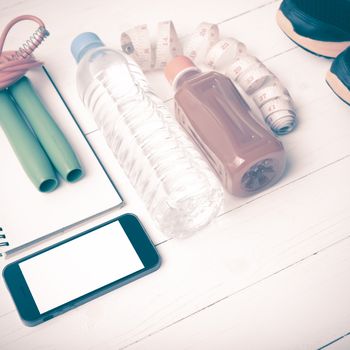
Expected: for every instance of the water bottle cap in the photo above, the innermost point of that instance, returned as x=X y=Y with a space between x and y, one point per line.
x=83 y=43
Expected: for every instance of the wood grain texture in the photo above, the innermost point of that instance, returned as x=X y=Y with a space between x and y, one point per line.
x=271 y=272
x=285 y=308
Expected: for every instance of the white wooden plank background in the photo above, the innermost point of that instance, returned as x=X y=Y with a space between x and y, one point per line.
x=272 y=271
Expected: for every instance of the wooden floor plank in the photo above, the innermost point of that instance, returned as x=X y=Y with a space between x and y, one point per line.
x=238 y=250
x=340 y=343
x=283 y=312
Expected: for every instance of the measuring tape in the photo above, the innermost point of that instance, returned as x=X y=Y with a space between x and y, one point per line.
x=228 y=56
x=136 y=43
x=204 y=37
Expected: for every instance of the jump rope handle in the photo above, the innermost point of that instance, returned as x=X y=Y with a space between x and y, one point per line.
x=42 y=146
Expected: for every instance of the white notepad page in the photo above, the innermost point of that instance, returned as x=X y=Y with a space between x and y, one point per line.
x=27 y=215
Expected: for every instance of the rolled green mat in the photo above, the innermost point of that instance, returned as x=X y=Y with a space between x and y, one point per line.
x=30 y=154
x=47 y=131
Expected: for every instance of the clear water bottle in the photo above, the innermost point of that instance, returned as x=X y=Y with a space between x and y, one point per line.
x=177 y=185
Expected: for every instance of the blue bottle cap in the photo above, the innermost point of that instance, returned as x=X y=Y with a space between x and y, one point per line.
x=83 y=43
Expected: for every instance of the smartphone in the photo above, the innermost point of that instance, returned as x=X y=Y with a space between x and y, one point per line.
x=70 y=273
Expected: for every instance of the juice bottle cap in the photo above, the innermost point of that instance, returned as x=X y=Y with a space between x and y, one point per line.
x=176 y=66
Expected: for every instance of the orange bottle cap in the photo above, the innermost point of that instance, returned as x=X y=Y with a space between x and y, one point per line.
x=177 y=65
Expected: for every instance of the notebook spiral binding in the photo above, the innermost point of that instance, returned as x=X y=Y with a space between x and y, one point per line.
x=3 y=243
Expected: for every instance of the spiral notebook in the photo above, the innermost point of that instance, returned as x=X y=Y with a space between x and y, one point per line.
x=28 y=216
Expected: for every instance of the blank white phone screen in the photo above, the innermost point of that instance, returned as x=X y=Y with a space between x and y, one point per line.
x=80 y=266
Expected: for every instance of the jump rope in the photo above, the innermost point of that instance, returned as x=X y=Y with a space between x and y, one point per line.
x=39 y=144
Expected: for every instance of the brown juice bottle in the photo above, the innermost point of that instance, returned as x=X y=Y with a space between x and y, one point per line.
x=246 y=156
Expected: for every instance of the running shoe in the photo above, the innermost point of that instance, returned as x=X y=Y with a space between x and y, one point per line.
x=319 y=26
x=338 y=78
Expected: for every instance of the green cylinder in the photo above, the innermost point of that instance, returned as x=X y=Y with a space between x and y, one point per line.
x=30 y=154
x=47 y=131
